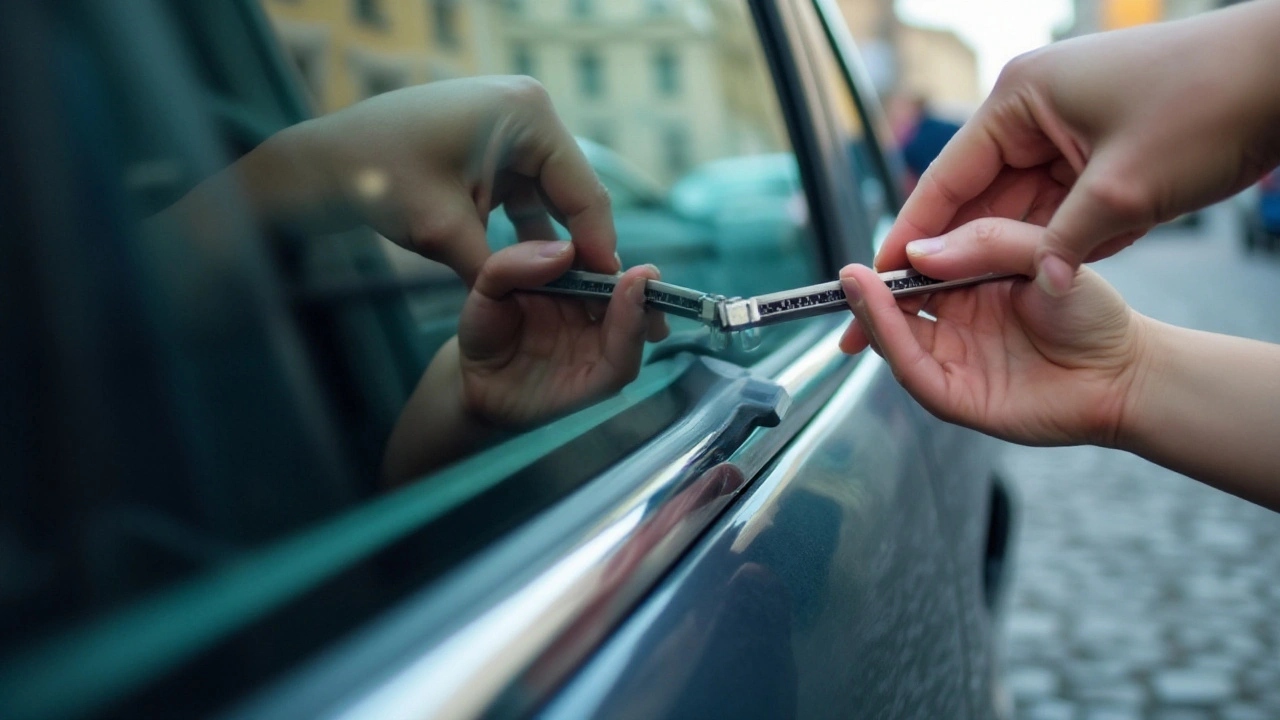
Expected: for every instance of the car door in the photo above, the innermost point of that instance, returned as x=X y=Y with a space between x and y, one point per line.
x=976 y=513
x=232 y=554
x=829 y=588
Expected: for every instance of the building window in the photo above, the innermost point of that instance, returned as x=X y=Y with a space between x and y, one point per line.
x=675 y=149
x=582 y=8
x=522 y=60
x=666 y=68
x=444 y=16
x=370 y=12
x=590 y=74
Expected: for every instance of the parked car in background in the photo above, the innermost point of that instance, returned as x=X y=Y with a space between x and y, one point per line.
x=192 y=523
x=1260 y=213
x=641 y=209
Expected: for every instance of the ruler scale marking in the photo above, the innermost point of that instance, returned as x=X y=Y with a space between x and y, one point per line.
x=731 y=314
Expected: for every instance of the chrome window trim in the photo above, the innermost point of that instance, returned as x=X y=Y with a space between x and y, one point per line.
x=498 y=637
x=523 y=636
x=486 y=665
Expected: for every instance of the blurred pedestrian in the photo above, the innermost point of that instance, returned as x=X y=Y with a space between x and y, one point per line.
x=920 y=132
x=1082 y=147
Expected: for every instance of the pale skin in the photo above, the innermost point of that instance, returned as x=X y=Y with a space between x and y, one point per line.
x=1080 y=150
x=424 y=167
x=1099 y=138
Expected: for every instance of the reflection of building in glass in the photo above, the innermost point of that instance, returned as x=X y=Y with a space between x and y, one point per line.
x=668 y=84
x=347 y=50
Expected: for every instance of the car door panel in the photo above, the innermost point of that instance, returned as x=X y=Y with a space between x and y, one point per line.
x=772 y=538
x=974 y=525
x=823 y=592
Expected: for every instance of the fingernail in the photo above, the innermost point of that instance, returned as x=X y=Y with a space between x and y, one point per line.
x=618 y=259
x=926 y=246
x=851 y=290
x=1054 y=276
x=657 y=274
x=554 y=249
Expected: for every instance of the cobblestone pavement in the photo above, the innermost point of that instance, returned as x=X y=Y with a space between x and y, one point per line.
x=1140 y=593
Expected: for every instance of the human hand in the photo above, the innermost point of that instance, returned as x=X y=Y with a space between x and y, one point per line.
x=1099 y=138
x=1005 y=357
x=525 y=357
x=424 y=166
x=521 y=358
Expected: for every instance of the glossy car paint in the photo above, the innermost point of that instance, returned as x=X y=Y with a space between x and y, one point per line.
x=827 y=591
x=849 y=580
x=839 y=575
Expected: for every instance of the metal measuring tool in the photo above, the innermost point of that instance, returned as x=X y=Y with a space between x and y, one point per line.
x=730 y=314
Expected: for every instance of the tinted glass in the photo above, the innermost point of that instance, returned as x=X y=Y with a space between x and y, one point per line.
x=226 y=521
x=670 y=101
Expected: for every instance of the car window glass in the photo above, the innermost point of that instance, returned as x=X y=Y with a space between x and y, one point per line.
x=278 y=364
x=671 y=104
x=670 y=101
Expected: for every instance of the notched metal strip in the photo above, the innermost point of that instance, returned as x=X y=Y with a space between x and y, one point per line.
x=729 y=314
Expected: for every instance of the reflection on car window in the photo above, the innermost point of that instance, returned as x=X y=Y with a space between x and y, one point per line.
x=244 y=528
x=669 y=100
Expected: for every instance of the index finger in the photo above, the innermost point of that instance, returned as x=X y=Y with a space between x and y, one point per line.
x=968 y=163
x=548 y=153
x=577 y=195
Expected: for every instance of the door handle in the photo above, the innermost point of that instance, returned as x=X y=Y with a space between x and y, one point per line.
x=642 y=516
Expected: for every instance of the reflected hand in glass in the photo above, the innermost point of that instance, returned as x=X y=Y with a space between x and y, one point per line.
x=426 y=165
x=521 y=358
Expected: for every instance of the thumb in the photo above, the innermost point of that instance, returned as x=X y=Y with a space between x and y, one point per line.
x=490 y=318
x=992 y=245
x=985 y=245
x=1105 y=208
x=524 y=265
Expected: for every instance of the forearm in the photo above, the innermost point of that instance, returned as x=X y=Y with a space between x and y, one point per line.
x=435 y=427
x=283 y=183
x=1246 y=34
x=291 y=185
x=1208 y=406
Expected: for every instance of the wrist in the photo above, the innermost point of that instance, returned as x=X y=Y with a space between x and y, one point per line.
x=437 y=425
x=1151 y=351
x=290 y=183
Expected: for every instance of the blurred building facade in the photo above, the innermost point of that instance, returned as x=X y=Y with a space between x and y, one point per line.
x=666 y=83
x=1092 y=16
x=904 y=59
x=347 y=50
